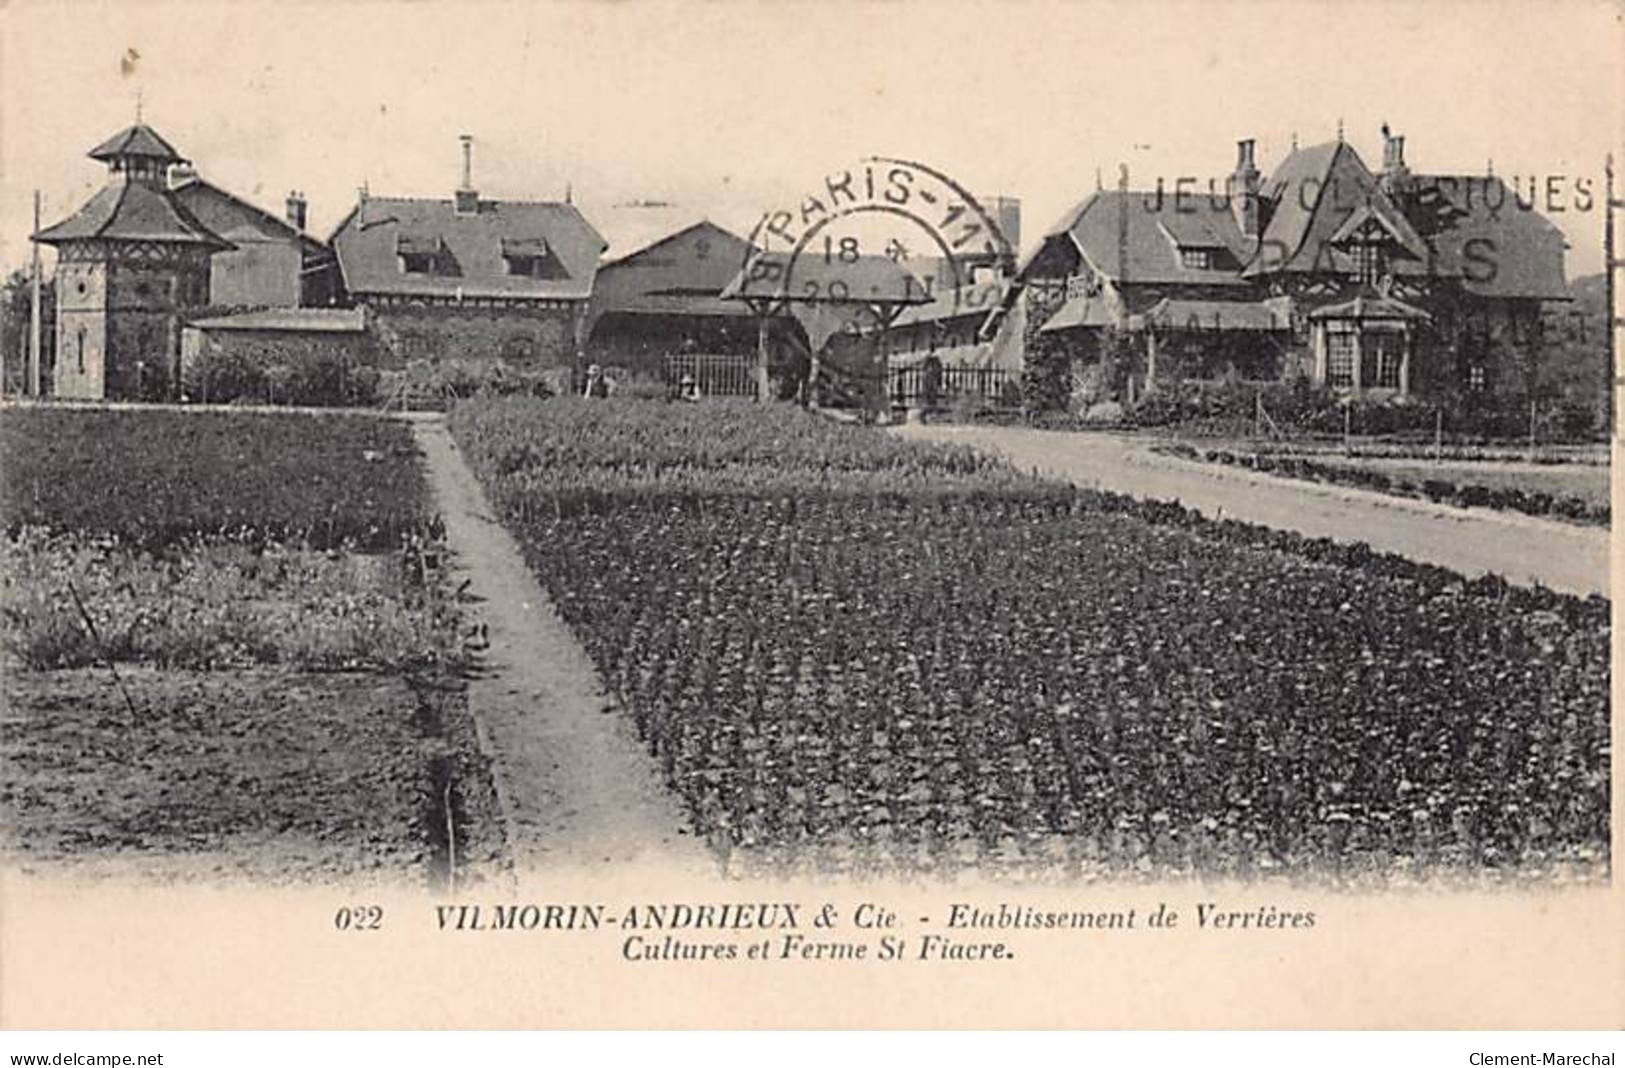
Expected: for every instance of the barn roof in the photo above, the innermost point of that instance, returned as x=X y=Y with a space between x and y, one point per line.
x=132 y=211
x=369 y=241
x=207 y=201
x=635 y=227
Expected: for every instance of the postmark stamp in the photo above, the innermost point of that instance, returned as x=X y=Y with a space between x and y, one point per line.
x=857 y=250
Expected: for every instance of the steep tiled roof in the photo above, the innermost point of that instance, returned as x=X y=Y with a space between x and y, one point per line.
x=137 y=140
x=216 y=208
x=1158 y=226
x=1312 y=194
x=132 y=211
x=1482 y=233
x=369 y=240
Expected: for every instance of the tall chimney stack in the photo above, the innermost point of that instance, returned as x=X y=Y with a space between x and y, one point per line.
x=468 y=201
x=1394 y=171
x=296 y=210
x=1244 y=185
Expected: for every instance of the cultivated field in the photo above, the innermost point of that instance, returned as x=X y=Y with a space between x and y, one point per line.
x=856 y=653
x=229 y=651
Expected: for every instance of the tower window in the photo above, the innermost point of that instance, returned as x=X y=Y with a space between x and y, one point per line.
x=81 y=351
x=1196 y=259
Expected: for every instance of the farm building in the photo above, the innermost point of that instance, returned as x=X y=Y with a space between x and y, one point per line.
x=273 y=263
x=470 y=277
x=1382 y=284
x=131 y=264
x=308 y=355
x=658 y=292
x=835 y=351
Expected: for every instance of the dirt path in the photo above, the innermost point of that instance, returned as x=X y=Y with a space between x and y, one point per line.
x=578 y=789
x=1471 y=541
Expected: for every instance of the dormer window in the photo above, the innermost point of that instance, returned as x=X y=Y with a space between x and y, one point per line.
x=1196 y=259
x=527 y=257
x=1368 y=262
x=1370 y=242
x=420 y=254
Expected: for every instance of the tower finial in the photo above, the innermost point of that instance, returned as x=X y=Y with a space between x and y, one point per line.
x=569 y=192
x=138 y=106
x=1489 y=167
x=1340 y=130
x=1099 y=182
x=1294 y=140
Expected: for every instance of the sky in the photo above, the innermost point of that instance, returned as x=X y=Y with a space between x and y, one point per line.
x=733 y=109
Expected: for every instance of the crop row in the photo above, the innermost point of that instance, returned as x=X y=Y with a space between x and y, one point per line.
x=153 y=479
x=1438 y=490
x=954 y=676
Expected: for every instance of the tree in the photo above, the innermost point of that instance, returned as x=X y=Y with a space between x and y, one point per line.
x=15 y=298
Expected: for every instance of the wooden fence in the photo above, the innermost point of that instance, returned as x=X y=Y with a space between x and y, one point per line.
x=719 y=374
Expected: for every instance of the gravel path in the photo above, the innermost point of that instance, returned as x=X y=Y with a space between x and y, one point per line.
x=578 y=790
x=1523 y=549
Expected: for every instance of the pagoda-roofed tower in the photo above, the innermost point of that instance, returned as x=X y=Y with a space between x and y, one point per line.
x=130 y=263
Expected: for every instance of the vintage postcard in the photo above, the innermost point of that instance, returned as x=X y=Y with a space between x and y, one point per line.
x=903 y=515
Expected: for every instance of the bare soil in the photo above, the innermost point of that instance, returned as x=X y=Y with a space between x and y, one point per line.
x=261 y=775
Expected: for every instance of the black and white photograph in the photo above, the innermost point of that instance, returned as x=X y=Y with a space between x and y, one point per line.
x=735 y=490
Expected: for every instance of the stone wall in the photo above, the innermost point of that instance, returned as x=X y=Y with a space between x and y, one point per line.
x=523 y=337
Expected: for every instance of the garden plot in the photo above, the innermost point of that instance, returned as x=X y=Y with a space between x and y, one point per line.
x=229 y=652
x=851 y=653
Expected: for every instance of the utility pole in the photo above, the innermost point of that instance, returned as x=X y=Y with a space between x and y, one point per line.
x=1612 y=318
x=34 y=314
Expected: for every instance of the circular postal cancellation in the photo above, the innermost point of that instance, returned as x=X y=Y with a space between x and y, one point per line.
x=880 y=244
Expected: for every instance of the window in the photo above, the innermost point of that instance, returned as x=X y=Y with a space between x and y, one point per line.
x=418 y=262
x=1340 y=360
x=1477 y=377
x=1381 y=353
x=1368 y=262
x=525 y=266
x=1196 y=259
x=526 y=257
x=1391 y=361
x=81 y=353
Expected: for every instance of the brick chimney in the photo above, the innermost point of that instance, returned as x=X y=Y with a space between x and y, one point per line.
x=1244 y=186
x=296 y=210
x=468 y=201
x=1394 y=171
